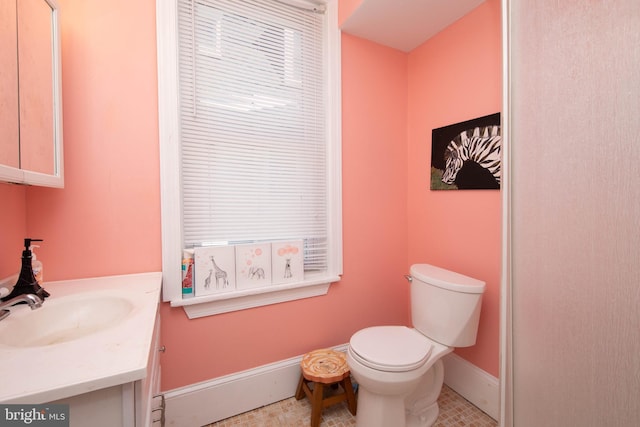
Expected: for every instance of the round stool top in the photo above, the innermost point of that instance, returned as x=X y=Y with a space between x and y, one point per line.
x=324 y=366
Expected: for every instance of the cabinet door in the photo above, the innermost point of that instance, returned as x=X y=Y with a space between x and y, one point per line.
x=149 y=386
x=105 y=407
x=35 y=36
x=30 y=93
x=9 y=148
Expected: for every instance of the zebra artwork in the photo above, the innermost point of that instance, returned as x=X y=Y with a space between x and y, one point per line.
x=481 y=145
x=467 y=155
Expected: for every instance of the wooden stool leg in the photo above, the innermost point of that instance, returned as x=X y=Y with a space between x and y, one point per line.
x=316 y=405
x=300 y=389
x=351 y=397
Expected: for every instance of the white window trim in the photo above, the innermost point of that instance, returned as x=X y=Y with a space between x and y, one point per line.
x=168 y=129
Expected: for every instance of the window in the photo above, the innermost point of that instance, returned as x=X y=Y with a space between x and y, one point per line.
x=249 y=112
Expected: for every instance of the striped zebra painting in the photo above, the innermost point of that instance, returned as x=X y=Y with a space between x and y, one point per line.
x=480 y=145
x=467 y=155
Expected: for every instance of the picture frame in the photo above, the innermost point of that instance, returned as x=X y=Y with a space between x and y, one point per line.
x=287 y=261
x=467 y=155
x=253 y=265
x=215 y=269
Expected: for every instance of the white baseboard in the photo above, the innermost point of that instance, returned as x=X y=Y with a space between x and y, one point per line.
x=472 y=383
x=210 y=401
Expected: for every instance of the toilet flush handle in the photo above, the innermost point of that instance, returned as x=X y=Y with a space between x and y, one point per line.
x=409 y=278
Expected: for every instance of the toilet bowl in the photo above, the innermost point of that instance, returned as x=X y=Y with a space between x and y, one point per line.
x=399 y=370
x=388 y=376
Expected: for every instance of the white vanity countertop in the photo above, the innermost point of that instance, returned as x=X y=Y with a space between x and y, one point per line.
x=116 y=355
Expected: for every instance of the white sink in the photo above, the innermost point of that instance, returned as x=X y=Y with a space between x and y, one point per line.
x=65 y=319
x=90 y=334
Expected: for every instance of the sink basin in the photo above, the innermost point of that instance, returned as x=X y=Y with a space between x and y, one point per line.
x=62 y=320
x=90 y=334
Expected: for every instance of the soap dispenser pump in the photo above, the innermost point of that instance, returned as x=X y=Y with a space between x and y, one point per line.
x=36 y=265
x=27 y=283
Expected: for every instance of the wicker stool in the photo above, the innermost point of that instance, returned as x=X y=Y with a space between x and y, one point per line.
x=325 y=367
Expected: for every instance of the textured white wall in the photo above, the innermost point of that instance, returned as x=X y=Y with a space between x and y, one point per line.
x=575 y=212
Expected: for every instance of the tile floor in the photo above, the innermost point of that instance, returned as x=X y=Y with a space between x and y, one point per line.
x=454 y=411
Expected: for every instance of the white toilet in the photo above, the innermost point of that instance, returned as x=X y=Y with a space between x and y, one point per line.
x=398 y=369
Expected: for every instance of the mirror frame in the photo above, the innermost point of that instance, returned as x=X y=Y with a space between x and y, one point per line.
x=21 y=176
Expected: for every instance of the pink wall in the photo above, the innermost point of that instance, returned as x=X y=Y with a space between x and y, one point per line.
x=13 y=227
x=373 y=290
x=456 y=76
x=107 y=218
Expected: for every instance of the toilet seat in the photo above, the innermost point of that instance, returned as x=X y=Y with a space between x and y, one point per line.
x=390 y=348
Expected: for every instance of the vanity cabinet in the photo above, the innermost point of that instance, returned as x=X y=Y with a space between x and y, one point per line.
x=30 y=93
x=131 y=404
x=97 y=341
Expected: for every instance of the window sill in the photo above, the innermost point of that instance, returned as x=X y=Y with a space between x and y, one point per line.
x=210 y=305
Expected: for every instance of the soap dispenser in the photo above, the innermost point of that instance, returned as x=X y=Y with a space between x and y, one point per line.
x=27 y=283
x=36 y=266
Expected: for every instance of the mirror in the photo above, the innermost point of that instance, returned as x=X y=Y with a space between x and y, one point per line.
x=9 y=152
x=30 y=93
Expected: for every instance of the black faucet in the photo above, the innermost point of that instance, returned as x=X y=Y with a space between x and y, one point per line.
x=27 y=283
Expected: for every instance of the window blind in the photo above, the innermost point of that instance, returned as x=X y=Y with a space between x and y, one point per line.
x=252 y=124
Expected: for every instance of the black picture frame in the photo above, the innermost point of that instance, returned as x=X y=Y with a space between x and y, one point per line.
x=483 y=141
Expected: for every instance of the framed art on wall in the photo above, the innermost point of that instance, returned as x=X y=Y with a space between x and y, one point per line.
x=467 y=155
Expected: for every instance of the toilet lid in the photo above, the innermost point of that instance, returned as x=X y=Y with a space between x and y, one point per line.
x=390 y=348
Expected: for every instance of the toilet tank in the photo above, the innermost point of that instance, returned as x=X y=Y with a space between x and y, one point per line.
x=445 y=306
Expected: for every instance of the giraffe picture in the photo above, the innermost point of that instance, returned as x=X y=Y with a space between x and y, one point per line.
x=215 y=269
